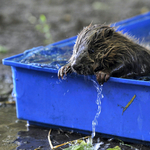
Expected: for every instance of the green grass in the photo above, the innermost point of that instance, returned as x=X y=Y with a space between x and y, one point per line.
x=42 y=26
x=3 y=49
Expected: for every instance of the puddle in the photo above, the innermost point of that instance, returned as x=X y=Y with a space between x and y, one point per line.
x=9 y=127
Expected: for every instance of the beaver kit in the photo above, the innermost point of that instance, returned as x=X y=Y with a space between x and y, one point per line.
x=102 y=51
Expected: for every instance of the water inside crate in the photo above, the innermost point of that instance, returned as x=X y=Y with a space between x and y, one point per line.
x=56 y=56
x=48 y=57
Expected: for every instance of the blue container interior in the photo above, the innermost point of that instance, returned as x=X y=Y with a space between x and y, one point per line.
x=49 y=58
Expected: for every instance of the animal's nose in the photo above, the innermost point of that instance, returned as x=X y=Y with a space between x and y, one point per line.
x=76 y=67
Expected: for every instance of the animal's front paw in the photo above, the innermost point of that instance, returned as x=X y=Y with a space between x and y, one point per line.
x=64 y=70
x=102 y=76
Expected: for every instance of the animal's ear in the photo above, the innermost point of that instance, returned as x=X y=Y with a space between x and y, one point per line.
x=108 y=32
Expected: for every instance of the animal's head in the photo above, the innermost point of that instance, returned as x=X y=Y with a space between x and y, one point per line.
x=90 y=46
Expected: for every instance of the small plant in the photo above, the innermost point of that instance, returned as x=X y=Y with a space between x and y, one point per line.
x=80 y=145
x=3 y=49
x=115 y=148
x=42 y=26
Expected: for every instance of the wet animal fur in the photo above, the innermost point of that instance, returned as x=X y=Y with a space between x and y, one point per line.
x=102 y=51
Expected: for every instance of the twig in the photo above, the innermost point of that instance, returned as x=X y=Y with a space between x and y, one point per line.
x=49 y=139
x=129 y=103
x=54 y=147
x=70 y=142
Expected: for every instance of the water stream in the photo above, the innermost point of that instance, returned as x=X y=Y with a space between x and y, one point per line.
x=98 y=102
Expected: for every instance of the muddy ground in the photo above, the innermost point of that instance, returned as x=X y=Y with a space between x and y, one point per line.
x=66 y=18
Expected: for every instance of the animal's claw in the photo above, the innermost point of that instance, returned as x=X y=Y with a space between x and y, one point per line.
x=63 y=71
x=102 y=77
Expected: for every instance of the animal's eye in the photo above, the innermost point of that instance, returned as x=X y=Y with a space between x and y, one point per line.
x=91 y=51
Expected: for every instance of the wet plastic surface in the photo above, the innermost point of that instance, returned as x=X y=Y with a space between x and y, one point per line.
x=43 y=99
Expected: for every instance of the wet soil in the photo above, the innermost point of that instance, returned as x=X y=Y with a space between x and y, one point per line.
x=66 y=18
x=37 y=137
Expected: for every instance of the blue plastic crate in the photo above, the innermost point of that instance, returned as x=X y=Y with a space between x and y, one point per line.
x=42 y=99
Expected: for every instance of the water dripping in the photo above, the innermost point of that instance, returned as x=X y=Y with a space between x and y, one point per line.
x=58 y=81
x=98 y=102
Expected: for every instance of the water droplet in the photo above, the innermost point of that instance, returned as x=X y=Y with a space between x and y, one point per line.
x=109 y=140
x=58 y=81
x=65 y=78
x=97 y=145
